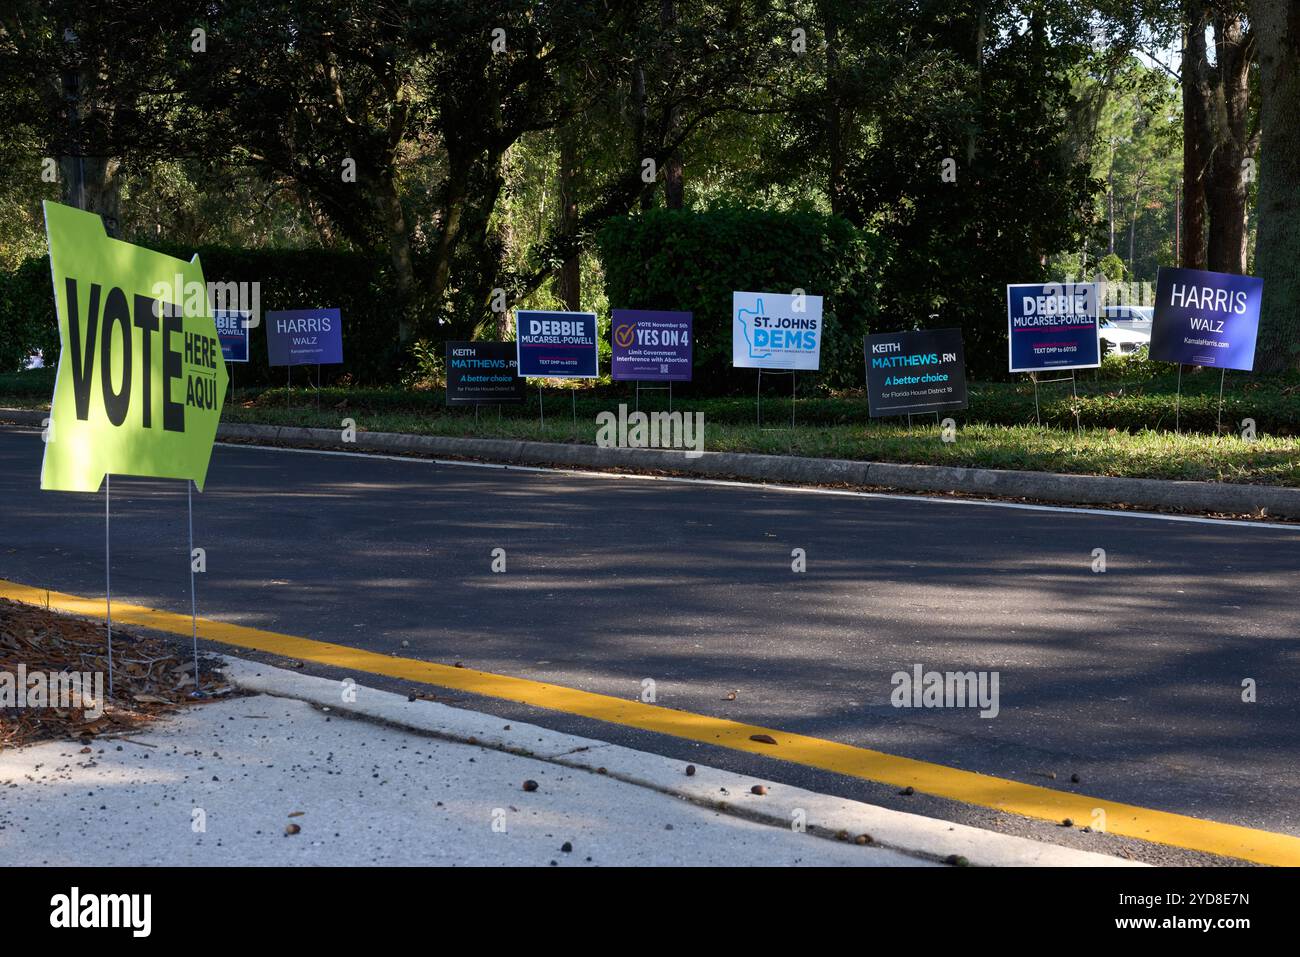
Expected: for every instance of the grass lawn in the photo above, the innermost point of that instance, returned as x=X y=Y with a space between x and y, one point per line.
x=1127 y=426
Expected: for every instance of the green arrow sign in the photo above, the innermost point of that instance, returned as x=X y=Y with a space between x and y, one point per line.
x=141 y=380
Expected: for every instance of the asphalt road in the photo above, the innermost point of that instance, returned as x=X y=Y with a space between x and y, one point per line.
x=1130 y=679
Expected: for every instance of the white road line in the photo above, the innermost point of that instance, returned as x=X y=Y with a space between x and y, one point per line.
x=806 y=490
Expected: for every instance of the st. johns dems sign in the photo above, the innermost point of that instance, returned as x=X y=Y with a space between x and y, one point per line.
x=774 y=331
x=1206 y=318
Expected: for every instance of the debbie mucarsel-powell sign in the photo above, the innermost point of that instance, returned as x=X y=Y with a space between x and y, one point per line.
x=556 y=345
x=774 y=331
x=232 y=330
x=1053 y=326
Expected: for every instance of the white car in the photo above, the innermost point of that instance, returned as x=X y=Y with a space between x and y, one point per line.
x=1135 y=318
x=1117 y=340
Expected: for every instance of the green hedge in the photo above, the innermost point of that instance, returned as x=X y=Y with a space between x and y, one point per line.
x=27 y=315
x=359 y=286
x=666 y=259
x=289 y=279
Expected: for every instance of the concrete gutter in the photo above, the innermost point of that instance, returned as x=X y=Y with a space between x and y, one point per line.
x=823 y=815
x=1183 y=496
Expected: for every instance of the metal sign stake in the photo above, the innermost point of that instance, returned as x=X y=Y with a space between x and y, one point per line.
x=758 y=398
x=1074 y=391
x=1178 y=399
x=793 y=397
x=1218 y=423
x=194 y=607
x=108 y=581
x=659 y=388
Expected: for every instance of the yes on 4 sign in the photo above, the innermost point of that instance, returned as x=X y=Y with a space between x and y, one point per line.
x=141 y=381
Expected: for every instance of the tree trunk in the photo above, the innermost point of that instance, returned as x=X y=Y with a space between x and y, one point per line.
x=101 y=190
x=980 y=35
x=88 y=181
x=1277 y=251
x=1110 y=202
x=674 y=172
x=1194 y=163
x=568 y=280
x=399 y=246
x=1132 y=230
x=834 y=140
x=1225 y=195
x=1178 y=224
x=453 y=209
x=638 y=126
x=324 y=228
x=475 y=284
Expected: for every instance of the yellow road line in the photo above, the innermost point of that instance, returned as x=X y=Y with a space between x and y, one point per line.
x=1029 y=800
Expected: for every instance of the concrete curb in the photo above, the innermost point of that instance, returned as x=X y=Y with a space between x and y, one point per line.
x=1200 y=497
x=823 y=815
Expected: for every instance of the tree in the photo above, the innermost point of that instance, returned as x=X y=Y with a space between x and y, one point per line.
x=1277 y=256
x=668 y=78
x=969 y=170
x=93 y=84
x=392 y=120
x=1220 y=129
x=1138 y=135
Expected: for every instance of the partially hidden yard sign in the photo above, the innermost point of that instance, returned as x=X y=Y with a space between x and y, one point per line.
x=140 y=380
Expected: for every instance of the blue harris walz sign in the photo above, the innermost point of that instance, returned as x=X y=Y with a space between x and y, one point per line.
x=304 y=337
x=1206 y=318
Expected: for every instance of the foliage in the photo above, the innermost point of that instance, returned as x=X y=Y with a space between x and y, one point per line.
x=1131 y=366
x=360 y=286
x=27 y=323
x=693 y=261
x=974 y=142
